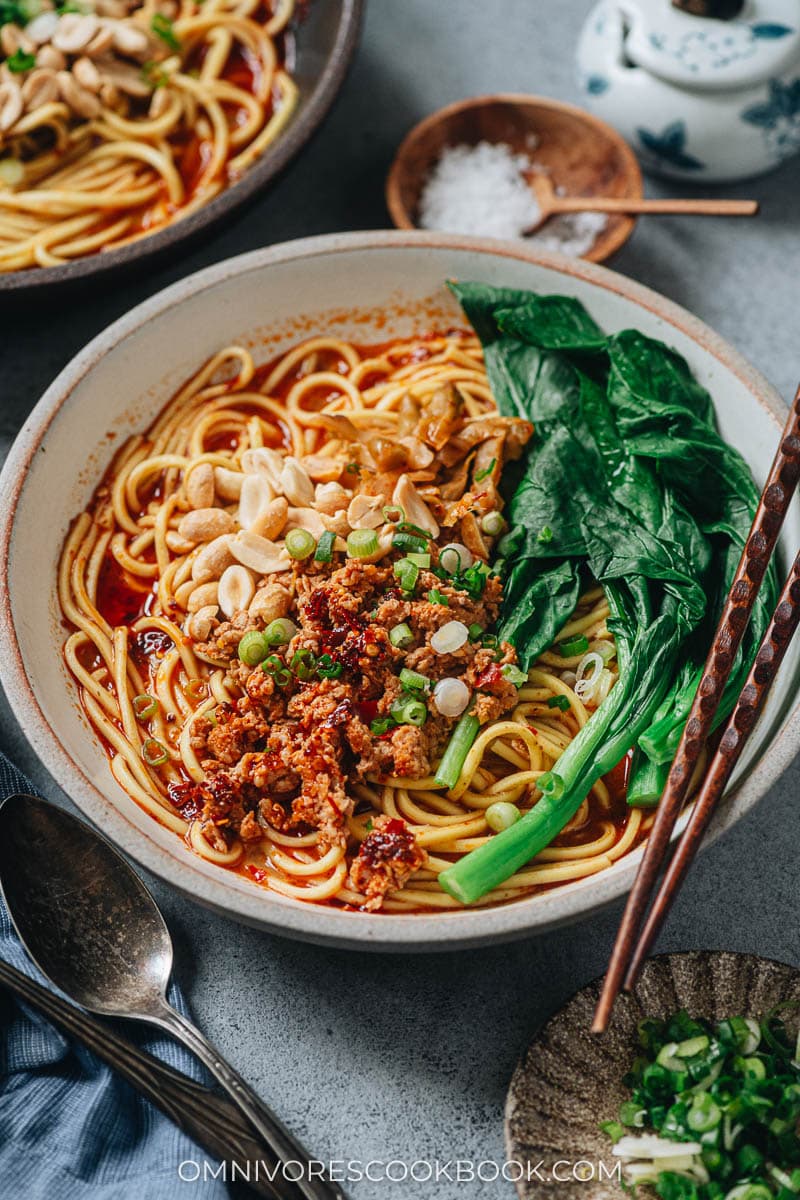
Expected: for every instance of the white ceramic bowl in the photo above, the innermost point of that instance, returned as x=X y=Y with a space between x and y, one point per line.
x=365 y=286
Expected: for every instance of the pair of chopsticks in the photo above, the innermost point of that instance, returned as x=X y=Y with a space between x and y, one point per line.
x=207 y=1118
x=639 y=928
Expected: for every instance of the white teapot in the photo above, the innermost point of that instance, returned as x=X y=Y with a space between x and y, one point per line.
x=702 y=89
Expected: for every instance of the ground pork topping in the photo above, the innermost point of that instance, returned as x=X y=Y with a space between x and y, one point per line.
x=386 y=860
x=344 y=695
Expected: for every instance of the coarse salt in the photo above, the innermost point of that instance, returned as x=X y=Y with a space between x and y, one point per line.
x=483 y=190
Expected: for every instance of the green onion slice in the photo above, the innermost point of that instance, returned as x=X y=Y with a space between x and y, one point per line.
x=300 y=544
x=154 y=752
x=437 y=597
x=401 y=637
x=410 y=711
x=303 y=665
x=409 y=542
x=381 y=725
x=144 y=706
x=328 y=668
x=252 y=648
x=419 y=560
x=573 y=646
x=280 y=631
x=362 y=543
x=413 y=681
x=475 y=632
x=407 y=574
x=324 y=552
x=560 y=702
x=394 y=514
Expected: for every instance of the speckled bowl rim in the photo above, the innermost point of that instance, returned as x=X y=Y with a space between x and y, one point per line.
x=170 y=238
x=352 y=930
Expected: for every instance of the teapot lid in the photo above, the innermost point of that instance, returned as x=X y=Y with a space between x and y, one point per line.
x=705 y=52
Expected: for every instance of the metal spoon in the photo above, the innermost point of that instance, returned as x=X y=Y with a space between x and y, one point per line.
x=92 y=927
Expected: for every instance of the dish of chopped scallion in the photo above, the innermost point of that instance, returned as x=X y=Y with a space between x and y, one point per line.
x=714 y=1109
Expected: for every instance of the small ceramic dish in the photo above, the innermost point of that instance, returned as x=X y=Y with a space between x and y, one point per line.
x=569 y=1080
x=582 y=155
x=364 y=287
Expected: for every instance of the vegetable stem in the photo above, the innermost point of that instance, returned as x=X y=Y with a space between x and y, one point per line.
x=456 y=753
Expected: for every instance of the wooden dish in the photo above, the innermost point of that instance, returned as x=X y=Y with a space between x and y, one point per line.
x=583 y=155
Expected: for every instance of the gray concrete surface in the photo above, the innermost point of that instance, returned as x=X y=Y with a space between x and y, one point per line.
x=409 y=1057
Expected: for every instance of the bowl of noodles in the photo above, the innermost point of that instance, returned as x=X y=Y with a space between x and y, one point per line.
x=325 y=630
x=128 y=126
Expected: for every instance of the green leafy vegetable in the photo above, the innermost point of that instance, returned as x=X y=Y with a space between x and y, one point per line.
x=627 y=471
x=19 y=61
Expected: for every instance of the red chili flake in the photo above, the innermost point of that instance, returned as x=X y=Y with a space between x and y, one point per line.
x=189 y=797
x=393 y=842
x=491 y=677
x=255 y=872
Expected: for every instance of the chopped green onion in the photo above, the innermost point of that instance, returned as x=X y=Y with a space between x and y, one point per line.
x=300 y=544
x=408 y=527
x=409 y=542
x=612 y=1129
x=419 y=560
x=303 y=665
x=144 y=706
x=486 y=472
x=489 y=641
x=437 y=597
x=413 y=681
x=325 y=545
x=514 y=675
x=362 y=543
x=560 y=702
x=550 y=784
x=451 y=558
x=407 y=574
x=492 y=523
x=632 y=1114
x=280 y=631
x=502 y=815
x=573 y=646
x=19 y=61
x=353 y=468
x=394 y=514
x=474 y=632
x=381 y=725
x=454 y=757
x=410 y=711
x=252 y=648
x=545 y=535
x=328 y=668
x=162 y=27
x=154 y=752
x=704 y=1114
x=272 y=664
x=282 y=678
x=401 y=637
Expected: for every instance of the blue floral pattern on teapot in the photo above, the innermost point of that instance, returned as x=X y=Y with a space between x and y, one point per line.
x=697 y=98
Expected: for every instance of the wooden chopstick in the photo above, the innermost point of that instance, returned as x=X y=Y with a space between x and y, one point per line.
x=778 y=491
x=740 y=724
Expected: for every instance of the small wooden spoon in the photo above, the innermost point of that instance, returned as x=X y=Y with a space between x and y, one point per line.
x=550 y=205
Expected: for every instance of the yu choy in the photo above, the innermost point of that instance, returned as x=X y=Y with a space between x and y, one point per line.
x=628 y=482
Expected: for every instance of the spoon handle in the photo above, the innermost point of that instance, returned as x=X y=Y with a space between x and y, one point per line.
x=209 y=1120
x=287 y=1150
x=622 y=204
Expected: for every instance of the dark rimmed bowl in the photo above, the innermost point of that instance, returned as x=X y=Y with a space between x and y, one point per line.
x=569 y=1079
x=326 y=38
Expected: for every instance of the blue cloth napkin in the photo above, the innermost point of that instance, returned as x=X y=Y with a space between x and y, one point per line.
x=70 y=1129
